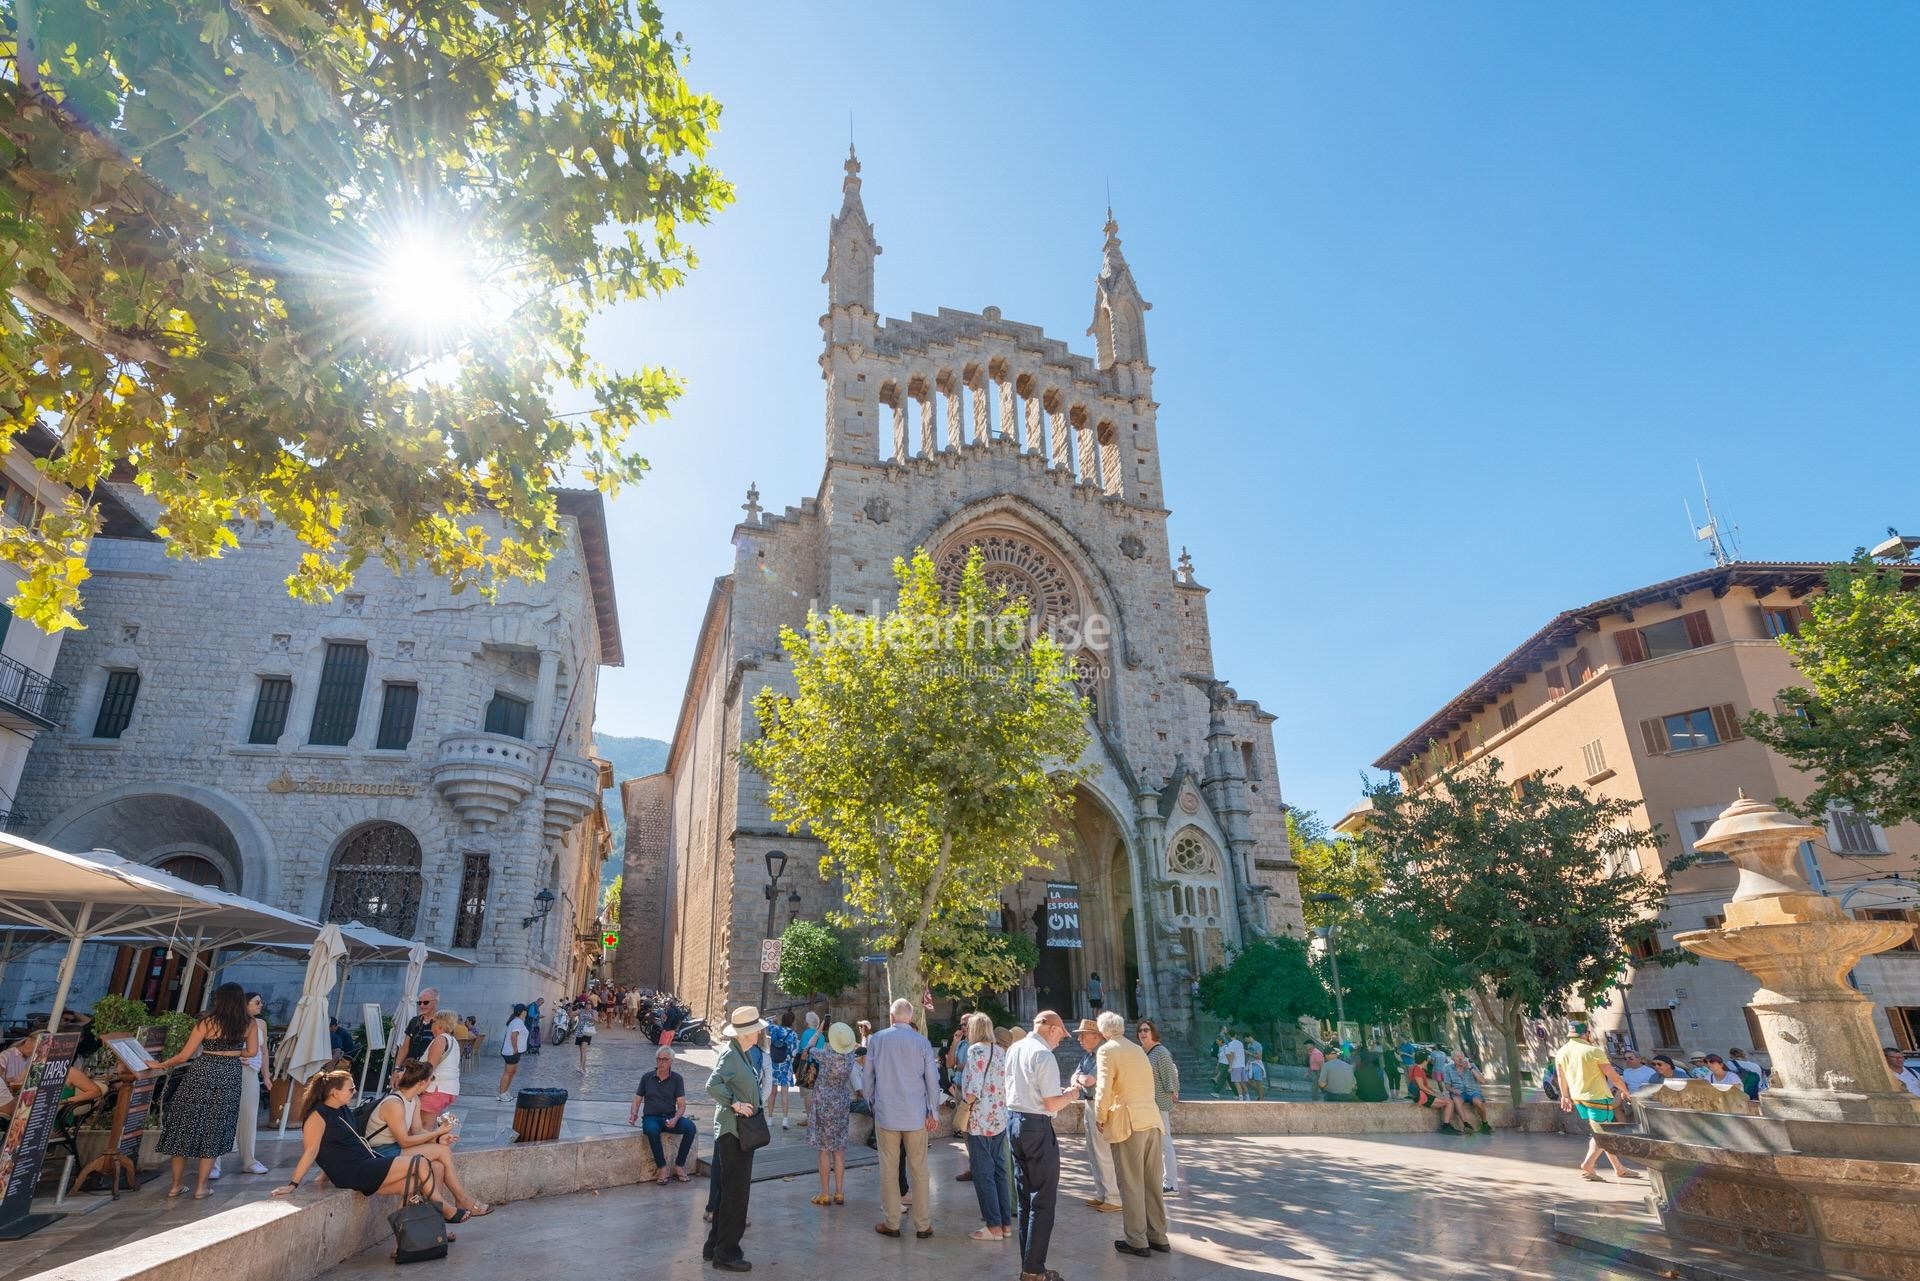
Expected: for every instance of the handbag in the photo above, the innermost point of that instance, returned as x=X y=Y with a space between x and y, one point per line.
x=753 y=1131
x=962 y=1114
x=419 y=1231
x=806 y=1071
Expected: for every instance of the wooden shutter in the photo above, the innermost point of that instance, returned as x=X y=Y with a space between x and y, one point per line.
x=1579 y=669
x=1726 y=722
x=1654 y=731
x=1631 y=646
x=1556 y=683
x=1699 y=630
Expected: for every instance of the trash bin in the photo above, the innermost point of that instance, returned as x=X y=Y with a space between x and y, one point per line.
x=537 y=1113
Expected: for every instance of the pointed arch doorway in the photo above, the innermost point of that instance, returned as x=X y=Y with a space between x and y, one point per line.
x=1092 y=857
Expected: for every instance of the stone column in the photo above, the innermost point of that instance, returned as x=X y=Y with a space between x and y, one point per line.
x=545 y=713
x=929 y=434
x=1151 y=838
x=1056 y=434
x=956 y=416
x=1009 y=413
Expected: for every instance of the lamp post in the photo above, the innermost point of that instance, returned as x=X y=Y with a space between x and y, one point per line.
x=793 y=907
x=543 y=903
x=1332 y=900
x=776 y=864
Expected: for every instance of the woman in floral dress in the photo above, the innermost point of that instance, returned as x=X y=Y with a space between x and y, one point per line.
x=827 y=1112
x=983 y=1084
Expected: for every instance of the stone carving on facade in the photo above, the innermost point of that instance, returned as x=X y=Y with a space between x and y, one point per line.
x=1132 y=546
x=878 y=510
x=1019 y=565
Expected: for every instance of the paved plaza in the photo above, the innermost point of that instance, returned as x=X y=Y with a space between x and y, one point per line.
x=1350 y=1208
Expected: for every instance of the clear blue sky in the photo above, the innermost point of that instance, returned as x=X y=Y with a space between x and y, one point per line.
x=1448 y=300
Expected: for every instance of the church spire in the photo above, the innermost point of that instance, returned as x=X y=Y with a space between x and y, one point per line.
x=851 y=247
x=1119 y=326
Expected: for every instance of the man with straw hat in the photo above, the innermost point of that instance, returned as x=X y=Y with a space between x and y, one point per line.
x=735 y=1087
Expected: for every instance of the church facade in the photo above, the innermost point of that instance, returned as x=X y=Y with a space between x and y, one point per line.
x=948 y=432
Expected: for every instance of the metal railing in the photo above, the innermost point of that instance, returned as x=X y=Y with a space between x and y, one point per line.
x=32 y=693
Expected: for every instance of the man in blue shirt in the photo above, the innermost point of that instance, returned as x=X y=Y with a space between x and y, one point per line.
x=903 y=1083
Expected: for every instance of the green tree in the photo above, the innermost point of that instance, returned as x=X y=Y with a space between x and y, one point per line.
x=1526 y=896
x=964 y=958
x=1383 y=975
x=610 y=902
x=333 y=262
x=1328 y=864
x=1267 y=982
x=815 y=961
x=932 y=751
x=1855 y=724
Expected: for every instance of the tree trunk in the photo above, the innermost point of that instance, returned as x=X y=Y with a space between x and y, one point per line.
x=903 y=969
x=1510 y=1025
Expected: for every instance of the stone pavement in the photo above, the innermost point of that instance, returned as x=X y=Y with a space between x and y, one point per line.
x=1298 y=1209
x=597 y=1104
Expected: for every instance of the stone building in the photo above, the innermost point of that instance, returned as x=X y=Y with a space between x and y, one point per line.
x=415 y=759
x=1640 y=697
x=948 y=432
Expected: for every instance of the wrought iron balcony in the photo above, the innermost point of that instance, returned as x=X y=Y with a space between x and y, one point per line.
x=30 y=701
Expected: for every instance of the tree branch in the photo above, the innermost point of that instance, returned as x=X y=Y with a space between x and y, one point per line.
x=26 y=53
x=126 y=346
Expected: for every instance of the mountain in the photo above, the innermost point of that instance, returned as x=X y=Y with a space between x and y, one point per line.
x=631 y=758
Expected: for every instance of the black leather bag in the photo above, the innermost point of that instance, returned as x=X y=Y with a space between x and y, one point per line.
x=419 y=1231
x=753 y=1131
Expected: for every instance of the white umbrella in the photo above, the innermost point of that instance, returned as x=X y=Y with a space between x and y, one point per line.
x=307 y=1045
x=409 y=997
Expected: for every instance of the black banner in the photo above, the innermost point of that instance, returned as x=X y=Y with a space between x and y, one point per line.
x=133 y=1123
x=1063 y=914
x=26 y=1142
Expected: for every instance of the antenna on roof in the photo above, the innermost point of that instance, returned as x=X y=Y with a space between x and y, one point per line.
x=1723 y=541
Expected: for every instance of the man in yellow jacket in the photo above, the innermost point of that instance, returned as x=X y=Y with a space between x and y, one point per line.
x=1123 y=1103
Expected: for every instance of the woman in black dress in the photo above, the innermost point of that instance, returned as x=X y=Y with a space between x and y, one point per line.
x=334 y=1143
x=203 y=1113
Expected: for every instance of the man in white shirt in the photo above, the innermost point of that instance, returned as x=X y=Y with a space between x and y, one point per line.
x=1234 y=1054
x=1034 y=1094
x=1637 y=1074
x=512 y=1046
x=1907 y=1076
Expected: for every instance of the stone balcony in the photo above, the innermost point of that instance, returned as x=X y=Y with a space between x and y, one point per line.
x=484 y=776
x=572 y=788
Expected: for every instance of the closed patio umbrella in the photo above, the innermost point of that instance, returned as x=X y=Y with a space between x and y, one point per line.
x=409 y=997
x=307 y=1046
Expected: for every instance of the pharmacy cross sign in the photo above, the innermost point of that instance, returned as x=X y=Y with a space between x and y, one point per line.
x=610 y=939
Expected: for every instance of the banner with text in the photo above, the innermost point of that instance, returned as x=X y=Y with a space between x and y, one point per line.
x=1063 y=914
x=26 y=1142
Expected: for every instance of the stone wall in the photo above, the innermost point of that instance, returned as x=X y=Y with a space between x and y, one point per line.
x=648 y=806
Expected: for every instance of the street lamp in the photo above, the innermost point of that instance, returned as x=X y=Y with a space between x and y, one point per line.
x=542 y=904
x=1332 y=900
x=776 y=864
x=793 y=906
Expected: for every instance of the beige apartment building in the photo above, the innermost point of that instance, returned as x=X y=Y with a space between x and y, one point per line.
x=1640 y=696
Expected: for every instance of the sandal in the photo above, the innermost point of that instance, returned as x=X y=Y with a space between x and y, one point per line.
x=1592 y=1176
x=662 y=1178
x=822 y=1199
x=838 y=1199
x=459 y=1216
x=983 y=1234
x=174 y=1192
x=681 y=1176
x=201 y=1196
x=479 y=1210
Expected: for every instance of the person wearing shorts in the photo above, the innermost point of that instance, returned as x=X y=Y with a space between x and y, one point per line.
x=1464 y=1082
x=1589 y=1085
x=513 y=1043
x=583 y=1026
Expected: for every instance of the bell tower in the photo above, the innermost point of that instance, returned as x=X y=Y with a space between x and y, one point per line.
x=849 y=325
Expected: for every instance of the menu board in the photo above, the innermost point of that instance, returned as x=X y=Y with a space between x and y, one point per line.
x=133 y=1056
x=133 y=1122
x=26 y=1142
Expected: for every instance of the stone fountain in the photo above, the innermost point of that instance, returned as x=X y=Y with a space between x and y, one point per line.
x=1826 y=1177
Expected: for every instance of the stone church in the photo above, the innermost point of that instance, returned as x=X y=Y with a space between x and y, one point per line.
x=947 y=432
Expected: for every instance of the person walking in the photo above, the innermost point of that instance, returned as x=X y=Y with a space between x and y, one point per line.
x=586 y=1019
x=736 y=1091
x=783 y=1047
x=1124 y=1105
x=1034 y=1095
x=1589 y=1085
x=663 y=1095
x=1106 y=1188
x=829 y=1107
x=903 y=1083
x=1096 y=993
x=204 y=1112
x=1235 y=1053
x=983 y=1086
x=513 y=1043
x=253 y=1080
x=1166 y=1093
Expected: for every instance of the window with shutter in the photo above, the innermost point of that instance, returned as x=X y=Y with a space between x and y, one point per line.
x=1726 y=723
x=1689 y=731
x=336 y=707
x=1699 y=629
x=116 y=704
x=1595 y=758
x=1903 y=917
x=1508 y=716
x=1556 y=682
x=397 y=706
x=507 y=715
x=1853 y=833
x=1676 y=635
x=1461 y=746
x=1579 y=669
x=270 y=704
x=1654 y=731
x=1630 y=647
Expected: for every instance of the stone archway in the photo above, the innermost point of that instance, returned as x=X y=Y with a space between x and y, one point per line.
x=1093 y=856
x=150 y=822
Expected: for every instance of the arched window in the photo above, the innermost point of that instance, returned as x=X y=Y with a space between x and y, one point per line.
x=376 y=880
x=193 y=869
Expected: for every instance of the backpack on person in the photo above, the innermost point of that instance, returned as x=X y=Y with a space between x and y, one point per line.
x=780 y=1052
x=363 y=1112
